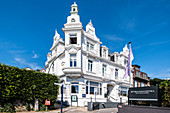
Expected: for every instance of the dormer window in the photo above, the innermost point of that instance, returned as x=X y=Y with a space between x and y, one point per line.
x=112 y=58
x=73 y=39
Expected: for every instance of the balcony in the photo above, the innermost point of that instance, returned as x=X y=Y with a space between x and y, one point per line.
x=73 y=72
x=141 y=77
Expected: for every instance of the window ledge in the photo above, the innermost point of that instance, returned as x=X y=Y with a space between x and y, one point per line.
x=90 y=72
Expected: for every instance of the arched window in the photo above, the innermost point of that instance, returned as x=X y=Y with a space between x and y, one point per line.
x=74 y=87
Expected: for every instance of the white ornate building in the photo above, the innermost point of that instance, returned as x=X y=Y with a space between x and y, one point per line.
x=85 y=66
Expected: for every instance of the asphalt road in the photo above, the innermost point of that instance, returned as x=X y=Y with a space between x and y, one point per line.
x=78 y=110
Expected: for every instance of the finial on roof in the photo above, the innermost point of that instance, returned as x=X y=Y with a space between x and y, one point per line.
x=57 y=36
x=90 y=23
x=56 y=31
x=125 y=48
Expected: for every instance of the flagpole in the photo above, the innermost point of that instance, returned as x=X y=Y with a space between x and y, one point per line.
x=129 y=64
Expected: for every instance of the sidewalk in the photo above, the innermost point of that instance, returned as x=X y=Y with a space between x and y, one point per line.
x=78 y=110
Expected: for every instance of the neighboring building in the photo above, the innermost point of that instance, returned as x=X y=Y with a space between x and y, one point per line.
x=140 y=79
x=27 y=68
x=85 y=66
x=43 y=70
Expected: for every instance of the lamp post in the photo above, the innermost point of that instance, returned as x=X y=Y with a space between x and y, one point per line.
x=59 y=84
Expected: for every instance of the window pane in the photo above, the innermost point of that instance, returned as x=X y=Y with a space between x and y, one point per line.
x=87 y=83
x=73 y=40
x=71 y=63
x=91 y=90
x=87 y=46
x=100 y=91
x=86 y=89
x=94 y=83
x=72 y=55
x=74 y=89
x=75 y=64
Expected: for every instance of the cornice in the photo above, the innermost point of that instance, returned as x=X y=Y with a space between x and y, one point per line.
x=72 y=46
x=103 y=59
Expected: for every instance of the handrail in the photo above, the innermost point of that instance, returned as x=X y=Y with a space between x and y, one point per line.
x=112 y=98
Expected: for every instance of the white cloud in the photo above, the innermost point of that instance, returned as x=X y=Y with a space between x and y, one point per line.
x=35 y=55
x=34 y=66
x=163 y=75
x=113 y=37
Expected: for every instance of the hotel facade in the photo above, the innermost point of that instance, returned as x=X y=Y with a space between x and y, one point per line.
x=84 y=65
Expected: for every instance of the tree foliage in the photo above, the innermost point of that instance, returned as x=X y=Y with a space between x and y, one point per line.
x=165 y=88
x=155 y=81
x=26 y=85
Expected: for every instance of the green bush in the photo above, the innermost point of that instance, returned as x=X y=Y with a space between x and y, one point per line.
x=42 y=107
x=8 y=108
x=26 y=85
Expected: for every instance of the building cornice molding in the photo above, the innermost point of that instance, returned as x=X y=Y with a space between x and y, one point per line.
x=72 y=46
x=103 y=59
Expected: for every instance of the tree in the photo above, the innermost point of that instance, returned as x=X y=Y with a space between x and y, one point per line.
x=155 y=81
x=165 y=88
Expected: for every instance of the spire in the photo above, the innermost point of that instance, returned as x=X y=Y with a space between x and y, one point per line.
x=125 y=49
x=57 y=36
x=74 y=9
x=90 y=23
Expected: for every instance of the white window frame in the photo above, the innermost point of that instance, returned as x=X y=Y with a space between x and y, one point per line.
x=98 y=87
x=73 y=36
x=90 y=65
x=104 y=53
x=75 y=84
x=73 y=60
x=90 y=47
x=116 y=73
x=104 y=69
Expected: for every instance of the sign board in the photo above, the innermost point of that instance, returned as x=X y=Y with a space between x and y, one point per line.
x=47 y=102
x=84 y=95
x=143 y=93
x=74 y=98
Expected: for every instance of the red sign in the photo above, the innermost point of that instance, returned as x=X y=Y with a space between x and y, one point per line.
x=47 y=102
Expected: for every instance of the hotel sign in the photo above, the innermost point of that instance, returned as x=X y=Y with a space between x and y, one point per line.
x=143 y=93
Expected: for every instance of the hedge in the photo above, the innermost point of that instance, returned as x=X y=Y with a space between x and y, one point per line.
x=26 y=85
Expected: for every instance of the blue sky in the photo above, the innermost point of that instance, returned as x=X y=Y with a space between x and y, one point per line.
x=27 y=29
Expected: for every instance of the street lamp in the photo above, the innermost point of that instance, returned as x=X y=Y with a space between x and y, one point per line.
x=59 y=84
